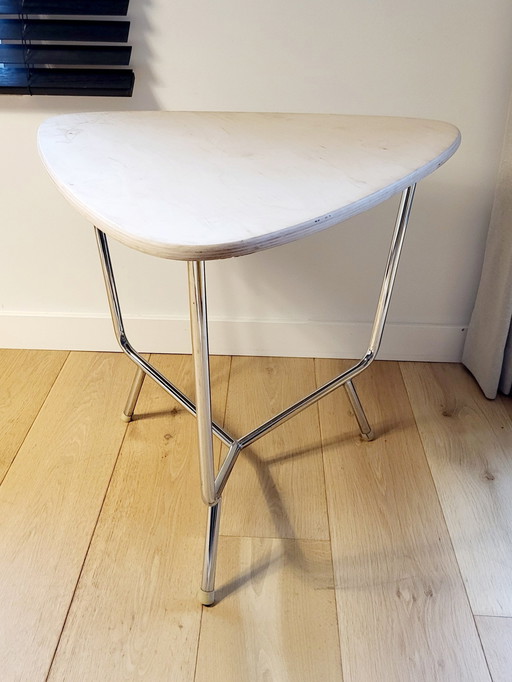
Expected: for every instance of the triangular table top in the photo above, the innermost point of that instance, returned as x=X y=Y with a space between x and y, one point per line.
x=200 y=186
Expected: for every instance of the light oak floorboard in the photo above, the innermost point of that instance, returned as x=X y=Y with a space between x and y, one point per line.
x=276 y=616
x=49 y=504
x=135 y=615
x=402 y=609
x=281 y=475
x=26 y=377
x=496 y=636
x=468 y=442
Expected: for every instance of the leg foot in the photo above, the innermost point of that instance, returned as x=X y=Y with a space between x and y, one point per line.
x=368 y=436
x=126 y=417
x=206 y=598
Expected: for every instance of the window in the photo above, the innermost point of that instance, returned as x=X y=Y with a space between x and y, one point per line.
x=65 y=47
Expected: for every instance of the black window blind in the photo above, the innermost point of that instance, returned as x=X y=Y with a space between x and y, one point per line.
x=65 y=47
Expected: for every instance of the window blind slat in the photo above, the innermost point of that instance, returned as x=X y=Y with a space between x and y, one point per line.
x=83 y=82
x=63 y=7
x=64 y=30
x=65 y=54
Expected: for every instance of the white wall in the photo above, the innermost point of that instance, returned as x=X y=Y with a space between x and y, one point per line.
x=446 y=60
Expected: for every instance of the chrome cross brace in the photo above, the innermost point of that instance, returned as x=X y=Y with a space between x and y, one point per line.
x=212 y=485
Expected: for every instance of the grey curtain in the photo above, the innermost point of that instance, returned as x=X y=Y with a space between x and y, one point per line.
x=488 y=348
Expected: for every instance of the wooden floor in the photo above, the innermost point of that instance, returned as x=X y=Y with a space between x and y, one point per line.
x=339 y=560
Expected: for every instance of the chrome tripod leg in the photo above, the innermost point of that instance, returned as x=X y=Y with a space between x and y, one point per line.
x=207 y=591
x=129 y=408
x=199 y=329
x=364 y=426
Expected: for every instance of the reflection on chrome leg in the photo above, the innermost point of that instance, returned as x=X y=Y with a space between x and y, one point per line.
x=364 y=426
x=129 y=408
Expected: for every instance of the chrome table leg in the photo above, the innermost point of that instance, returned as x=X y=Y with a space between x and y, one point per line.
x=199 y=330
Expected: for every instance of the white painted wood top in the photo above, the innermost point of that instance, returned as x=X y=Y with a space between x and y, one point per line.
x=193 y=186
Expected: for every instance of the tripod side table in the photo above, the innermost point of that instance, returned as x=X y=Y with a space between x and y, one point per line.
x=207 y=186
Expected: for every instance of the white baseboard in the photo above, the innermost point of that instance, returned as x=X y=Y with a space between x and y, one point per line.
x=429 y=343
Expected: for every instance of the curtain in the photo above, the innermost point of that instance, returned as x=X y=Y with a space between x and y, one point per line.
x=488 y=347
